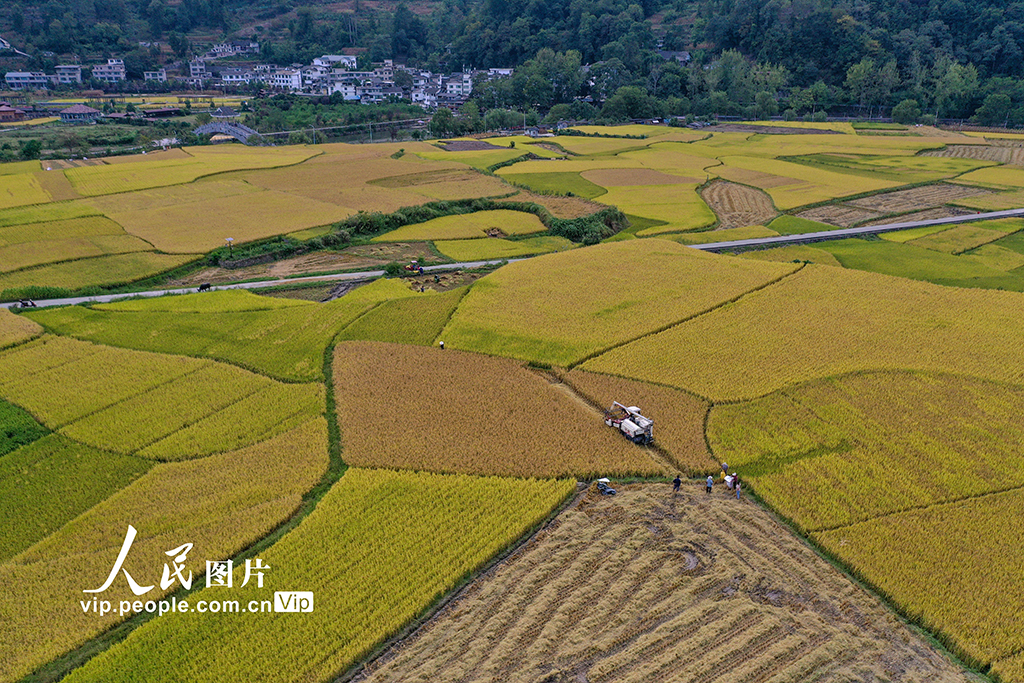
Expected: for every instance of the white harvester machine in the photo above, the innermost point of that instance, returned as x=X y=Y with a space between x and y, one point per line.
x=629 y=421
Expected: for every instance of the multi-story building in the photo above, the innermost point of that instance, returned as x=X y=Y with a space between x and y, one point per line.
x=159 y=76
x=285 y=78
x=68 y=74
x=336 y=61
x=459 y=84
x=111 y=72
x=26 y=80
x=236 y=77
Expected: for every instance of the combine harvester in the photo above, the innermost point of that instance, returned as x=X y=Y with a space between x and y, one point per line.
x=629 y=421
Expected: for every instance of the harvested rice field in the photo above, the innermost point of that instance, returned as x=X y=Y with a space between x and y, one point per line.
x=916 y=199
x=737 y=205
x=839 y=214
x=651 y=586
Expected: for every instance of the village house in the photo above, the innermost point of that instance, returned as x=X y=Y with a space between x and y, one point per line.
x=68 y=74
x=27 y=80
x=9 y=114
x=111 y=72
x=79 y=113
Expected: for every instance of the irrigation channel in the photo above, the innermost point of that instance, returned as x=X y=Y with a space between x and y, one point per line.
x=760 y=243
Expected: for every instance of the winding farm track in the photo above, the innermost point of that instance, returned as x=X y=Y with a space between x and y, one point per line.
x=764 y=242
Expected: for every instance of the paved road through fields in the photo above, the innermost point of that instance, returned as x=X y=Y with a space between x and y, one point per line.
x=262 y=284
x=763 y=242
x=843 y=233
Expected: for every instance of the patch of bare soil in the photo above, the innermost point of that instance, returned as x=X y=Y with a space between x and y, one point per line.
x=837 y=214
x=651 y=586
x=366 y=256
x=929 y=214
x=469 y=145
x=442 y=282
x=737 y=205
x=772 y=130
x=560 y=207
x=917 y=198
x=1004 y=154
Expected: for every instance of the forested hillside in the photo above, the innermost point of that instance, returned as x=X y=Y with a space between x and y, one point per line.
x=807 y=55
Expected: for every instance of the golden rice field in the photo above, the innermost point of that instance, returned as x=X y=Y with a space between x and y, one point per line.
x=202 y=161
x=996 y=178
x=222 y=301
x=491 y=248
x=883 y=442
x=45 y=212
x=103 y=270
x=456 y=412
x=396 y=541
x=678 y=416
x=221 y=504
x=725 y=235
x=821 y=322
x=964 y=581
x=467 y=226
x=646 y=586
x=286 y=343
x=15 y=329
x=796 y=252
x=203 y=225
x=961 y=238
x=47 y=483
x=409 y=320
x=561 y=308
x=994 y=201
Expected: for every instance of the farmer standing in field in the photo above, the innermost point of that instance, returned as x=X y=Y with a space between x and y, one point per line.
x=737 y=490
x=711 y=482
x=676 y=483
x=725 y=469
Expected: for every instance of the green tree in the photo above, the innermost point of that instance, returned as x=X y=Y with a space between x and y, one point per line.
x=859 y=79
x=30 y=149
x=443 y=123
x=907 y=111
x=766 y=105
x=994 y=111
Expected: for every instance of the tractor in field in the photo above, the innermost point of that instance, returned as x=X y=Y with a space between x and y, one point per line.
x=630 y=423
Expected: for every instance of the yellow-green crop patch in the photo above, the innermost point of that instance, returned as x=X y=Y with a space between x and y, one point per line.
x=395 y=540
x=101 y=270
x=15 y=329
x=221 y=504
x=45 y=213
x=560 y=308
x=902 y=236
x=996 y=177
x=490 y=248
x=223 y=301
x=48 y=483
x=21 y=189
x=140 y=420
x=678 y=206
x=745 y=233
x=88 y=379
x=202 y=161
x=287 y=343
x=412 y=320
x=823 y=321
x=959 y=238
x=476 y=158
x=467 y=226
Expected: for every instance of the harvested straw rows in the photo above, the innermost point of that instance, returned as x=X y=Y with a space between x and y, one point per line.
x=646 y=586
